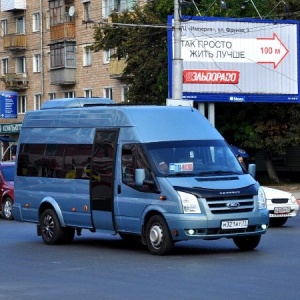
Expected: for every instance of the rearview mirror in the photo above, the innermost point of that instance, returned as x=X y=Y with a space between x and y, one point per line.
x=252 y=170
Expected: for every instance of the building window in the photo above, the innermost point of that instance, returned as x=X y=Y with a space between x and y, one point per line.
x=106 y=56
x=63 y=55
x=87 y=11
x=22 y=104
x=70 y=55
x=116 y=5
x=37 y=101
x=36 y=63
x=3 y=27
x=52 y=96
x=36 y=22
x=88 y=93
x=20 y=25
x=87 y=56
x=21 y=64
x=57 y=12
x=107 y=93
x=125 y=90
x=4 y=66
x=69 y=94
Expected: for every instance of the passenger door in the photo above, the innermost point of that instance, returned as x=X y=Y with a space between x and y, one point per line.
x=102 y=178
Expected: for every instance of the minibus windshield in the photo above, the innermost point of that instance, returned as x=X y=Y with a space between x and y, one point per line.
x=190 y=158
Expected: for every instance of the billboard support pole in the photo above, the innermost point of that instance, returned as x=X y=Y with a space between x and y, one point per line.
x=177 y=60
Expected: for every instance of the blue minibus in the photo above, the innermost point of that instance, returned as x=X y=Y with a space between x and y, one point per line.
x=159 y=174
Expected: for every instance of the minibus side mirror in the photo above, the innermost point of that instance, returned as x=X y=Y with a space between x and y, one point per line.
x=252 y=170
x=140 y=176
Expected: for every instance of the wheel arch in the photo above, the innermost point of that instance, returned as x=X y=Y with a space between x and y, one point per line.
x=47 y=203
x=5 y=196
x=148 y=213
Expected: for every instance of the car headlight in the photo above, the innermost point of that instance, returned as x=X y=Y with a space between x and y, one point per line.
x=262 y=202
x=293 y=199
x=189 y=203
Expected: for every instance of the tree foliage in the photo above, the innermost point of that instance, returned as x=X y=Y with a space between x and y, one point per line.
x=140 y=36
x=260 y=126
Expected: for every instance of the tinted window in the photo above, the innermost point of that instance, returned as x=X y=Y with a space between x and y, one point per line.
x=54 y=160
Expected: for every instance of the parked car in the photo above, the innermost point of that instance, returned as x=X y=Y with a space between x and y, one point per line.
x=281 y=205
x=7 y=173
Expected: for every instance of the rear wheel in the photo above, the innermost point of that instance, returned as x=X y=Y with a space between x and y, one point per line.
x=277 y=222
x=158 y=237
x=246 y=243
x=6 y=208
x=51 y=230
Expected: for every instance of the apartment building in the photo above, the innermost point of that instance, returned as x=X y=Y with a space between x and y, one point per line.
x=45 y=54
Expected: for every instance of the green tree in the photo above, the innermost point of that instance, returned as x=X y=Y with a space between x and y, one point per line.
x=140 y=36
x=270 y=127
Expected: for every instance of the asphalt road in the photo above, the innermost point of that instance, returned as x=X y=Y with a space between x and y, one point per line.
x=98 y=266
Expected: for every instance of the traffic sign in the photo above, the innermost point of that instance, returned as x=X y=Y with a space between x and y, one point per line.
x=8 y=107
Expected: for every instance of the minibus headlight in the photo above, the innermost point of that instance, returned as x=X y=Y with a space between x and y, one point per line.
x=189 y=203
x=262 y=202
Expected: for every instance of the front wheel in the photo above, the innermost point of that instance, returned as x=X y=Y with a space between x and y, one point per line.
x=51 y=230
x=6 y=208
x=158 y=237
x=246 y=243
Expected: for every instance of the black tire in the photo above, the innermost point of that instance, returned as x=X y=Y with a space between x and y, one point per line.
x=277 y=222
x=158 y=237
x=6 y=209
x=51 y=230
x=246 y=243
x=69 y=234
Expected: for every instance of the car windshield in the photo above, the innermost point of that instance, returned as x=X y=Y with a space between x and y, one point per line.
x=190 y=158
x=8 y=172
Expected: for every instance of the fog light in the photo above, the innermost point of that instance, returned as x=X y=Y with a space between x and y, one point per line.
x=191 y=231
x=263 y=226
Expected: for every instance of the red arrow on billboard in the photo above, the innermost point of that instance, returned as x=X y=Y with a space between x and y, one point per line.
x=273 y=50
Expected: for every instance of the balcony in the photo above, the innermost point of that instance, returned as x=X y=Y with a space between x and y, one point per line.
x=63 y=31
x=14 y=81
x=13 y=5
x=63 y=76
x=15 y=42
x=116 y=67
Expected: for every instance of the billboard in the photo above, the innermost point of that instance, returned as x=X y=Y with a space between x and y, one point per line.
x=238 y=60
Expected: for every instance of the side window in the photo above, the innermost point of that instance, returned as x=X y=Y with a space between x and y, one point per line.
x=134 y=158
x=66 y=161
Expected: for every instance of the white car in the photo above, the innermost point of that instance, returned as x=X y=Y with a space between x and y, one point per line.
x=281 y=205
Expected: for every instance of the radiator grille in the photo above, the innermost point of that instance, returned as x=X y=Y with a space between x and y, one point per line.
x=229 y=205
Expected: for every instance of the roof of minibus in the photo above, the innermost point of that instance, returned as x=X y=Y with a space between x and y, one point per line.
x=147 y=123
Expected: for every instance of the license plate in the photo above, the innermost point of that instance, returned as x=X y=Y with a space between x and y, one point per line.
x=282 y=210
x=234 y=224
